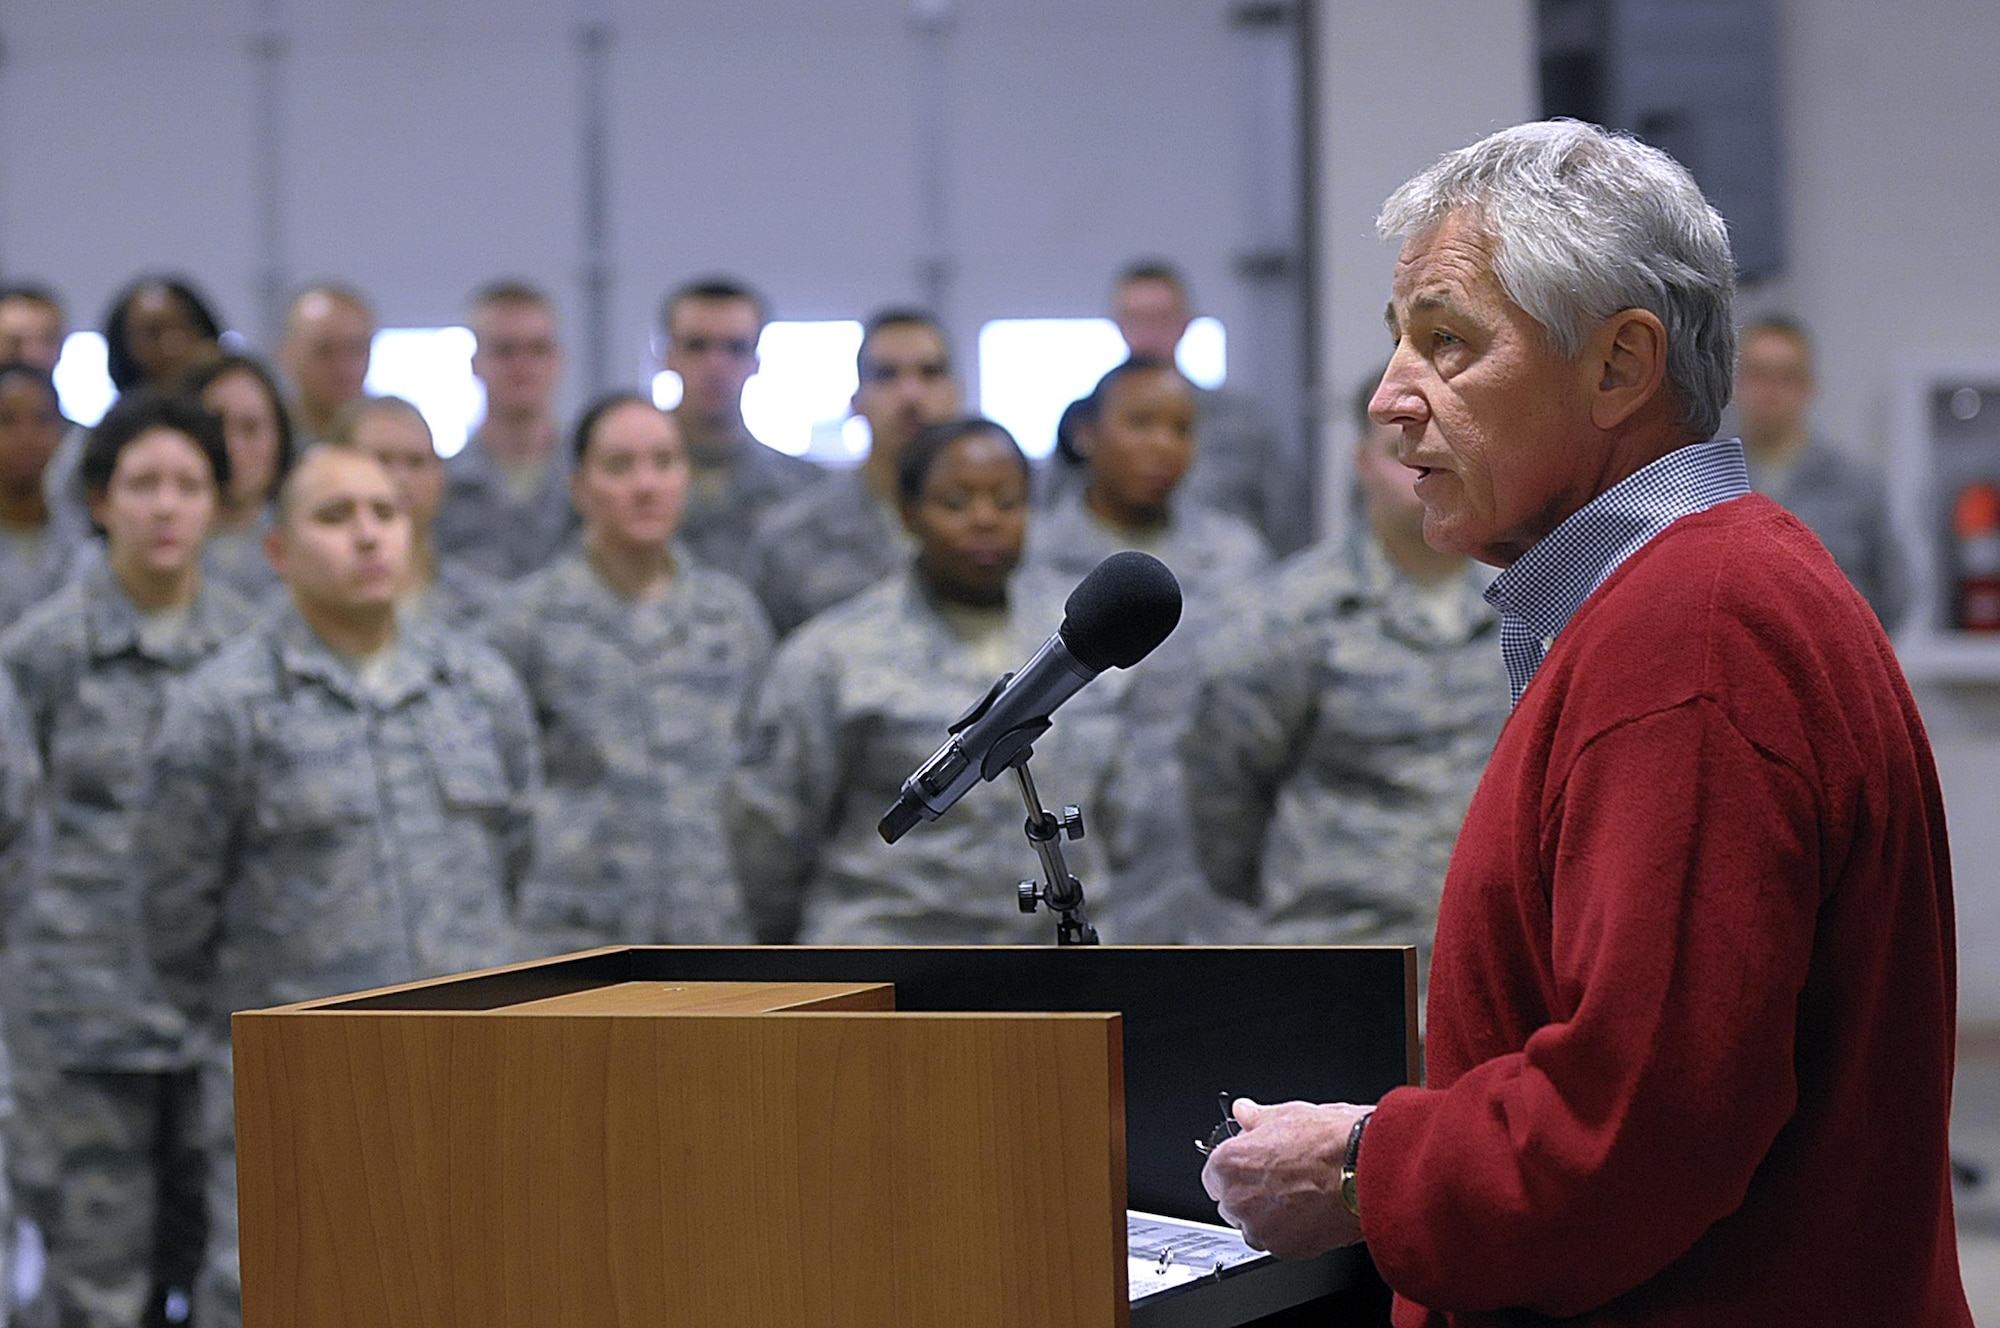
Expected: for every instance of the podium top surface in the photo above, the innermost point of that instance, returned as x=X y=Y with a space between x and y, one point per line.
x=654 y=998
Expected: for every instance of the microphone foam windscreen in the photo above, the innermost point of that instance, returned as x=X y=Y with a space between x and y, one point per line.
x=1125 y=607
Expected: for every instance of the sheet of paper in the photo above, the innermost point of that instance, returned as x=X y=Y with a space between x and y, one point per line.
x=1166 y=1252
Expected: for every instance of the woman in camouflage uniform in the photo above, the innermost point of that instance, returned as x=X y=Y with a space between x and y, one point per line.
x=862 y=695
x=109 y=1086
x=637 y=659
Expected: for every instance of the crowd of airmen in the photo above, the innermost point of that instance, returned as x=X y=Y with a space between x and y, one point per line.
x=292 y=707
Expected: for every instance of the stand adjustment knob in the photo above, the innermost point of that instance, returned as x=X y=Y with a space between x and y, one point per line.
x=1071 y=822
x=1030 y=895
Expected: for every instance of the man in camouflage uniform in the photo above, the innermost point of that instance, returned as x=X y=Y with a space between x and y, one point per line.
x=1342 y=722
x=336 y=802
x=442 y=589
x=711 y=329
x=506 y=509
x=844 y=534
x=21 y=860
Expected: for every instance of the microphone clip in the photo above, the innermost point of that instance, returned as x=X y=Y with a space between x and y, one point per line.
x=1060 y=891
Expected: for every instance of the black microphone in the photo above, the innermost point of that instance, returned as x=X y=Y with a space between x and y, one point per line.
x=1113 y=619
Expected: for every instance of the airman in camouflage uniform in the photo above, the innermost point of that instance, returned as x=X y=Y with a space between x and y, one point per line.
x=40 y=541
x=110 y=1092
x=117 y=1099
x=498 y=530
x=442 y=588
x=824 y=546
x=638 y=704
x=506 y=507
x=712 y=329
x=21 y=860
x=1342 y=722
x=324 y=819
x=459 y=597
x=844 y=534
x=857 y=699
x=1214 y=556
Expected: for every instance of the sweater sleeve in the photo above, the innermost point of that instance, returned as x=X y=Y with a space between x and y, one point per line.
x=1681 y=866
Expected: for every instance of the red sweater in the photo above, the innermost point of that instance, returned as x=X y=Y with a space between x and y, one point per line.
x=1693 y=1001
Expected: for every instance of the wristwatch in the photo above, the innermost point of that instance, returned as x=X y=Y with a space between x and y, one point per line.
x=1348 y=1195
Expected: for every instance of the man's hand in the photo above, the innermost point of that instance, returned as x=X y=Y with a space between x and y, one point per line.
x=1279 y=1180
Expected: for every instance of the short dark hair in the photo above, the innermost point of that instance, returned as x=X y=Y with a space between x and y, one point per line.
x=202 y=378
x=1089 y=408
x=118 y=361
x=33 y=292
x=920 y=457
x=1783 y=324
x=511 y=290
x=1093 y=404
x=340 y=433
x=896 y=316
x=1152 y=269
x=586 y=423
x=145 y=408
x=714 y=287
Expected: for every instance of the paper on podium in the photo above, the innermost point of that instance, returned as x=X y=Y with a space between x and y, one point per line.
x=1166 y=1253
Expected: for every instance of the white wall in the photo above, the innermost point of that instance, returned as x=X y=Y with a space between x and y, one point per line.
x=1401 y=85
x=1891 y=117
x=433 y=145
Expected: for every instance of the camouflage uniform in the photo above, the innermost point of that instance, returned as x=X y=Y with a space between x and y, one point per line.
x=22 y=846
x=482 y=522
x=461 y=598
x=29 y=574
x=1215 y=557
x=638 y=706
x=854 y=701
x=832 y=541
x=113 y=1090
x=1843 y=500
x=235 y=559
x=311 y=831
x=726 y=505
x=1340 y=727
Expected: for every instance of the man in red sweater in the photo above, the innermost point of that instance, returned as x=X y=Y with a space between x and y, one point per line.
x=1693 y=997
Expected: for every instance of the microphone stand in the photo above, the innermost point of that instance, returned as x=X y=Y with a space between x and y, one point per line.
x=1062 y=892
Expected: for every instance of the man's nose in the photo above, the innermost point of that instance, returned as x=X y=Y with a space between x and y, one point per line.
x=1395 y=401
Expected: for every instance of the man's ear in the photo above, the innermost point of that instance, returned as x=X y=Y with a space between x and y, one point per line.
x=1627 y=360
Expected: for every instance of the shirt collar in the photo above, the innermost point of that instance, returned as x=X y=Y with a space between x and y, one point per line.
x=115 y=625
x=1545 y=586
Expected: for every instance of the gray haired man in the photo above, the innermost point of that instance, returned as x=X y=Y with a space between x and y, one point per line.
x=1693 y=995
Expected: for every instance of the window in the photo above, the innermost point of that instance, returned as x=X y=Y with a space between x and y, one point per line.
x=82 y=382
x=431 y=368
x=1030 y=369
x=798 y=400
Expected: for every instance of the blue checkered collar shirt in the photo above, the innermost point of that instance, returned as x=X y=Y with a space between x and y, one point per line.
x=1545 y=586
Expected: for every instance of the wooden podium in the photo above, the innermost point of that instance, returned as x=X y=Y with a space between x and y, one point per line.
x=784 y=1136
